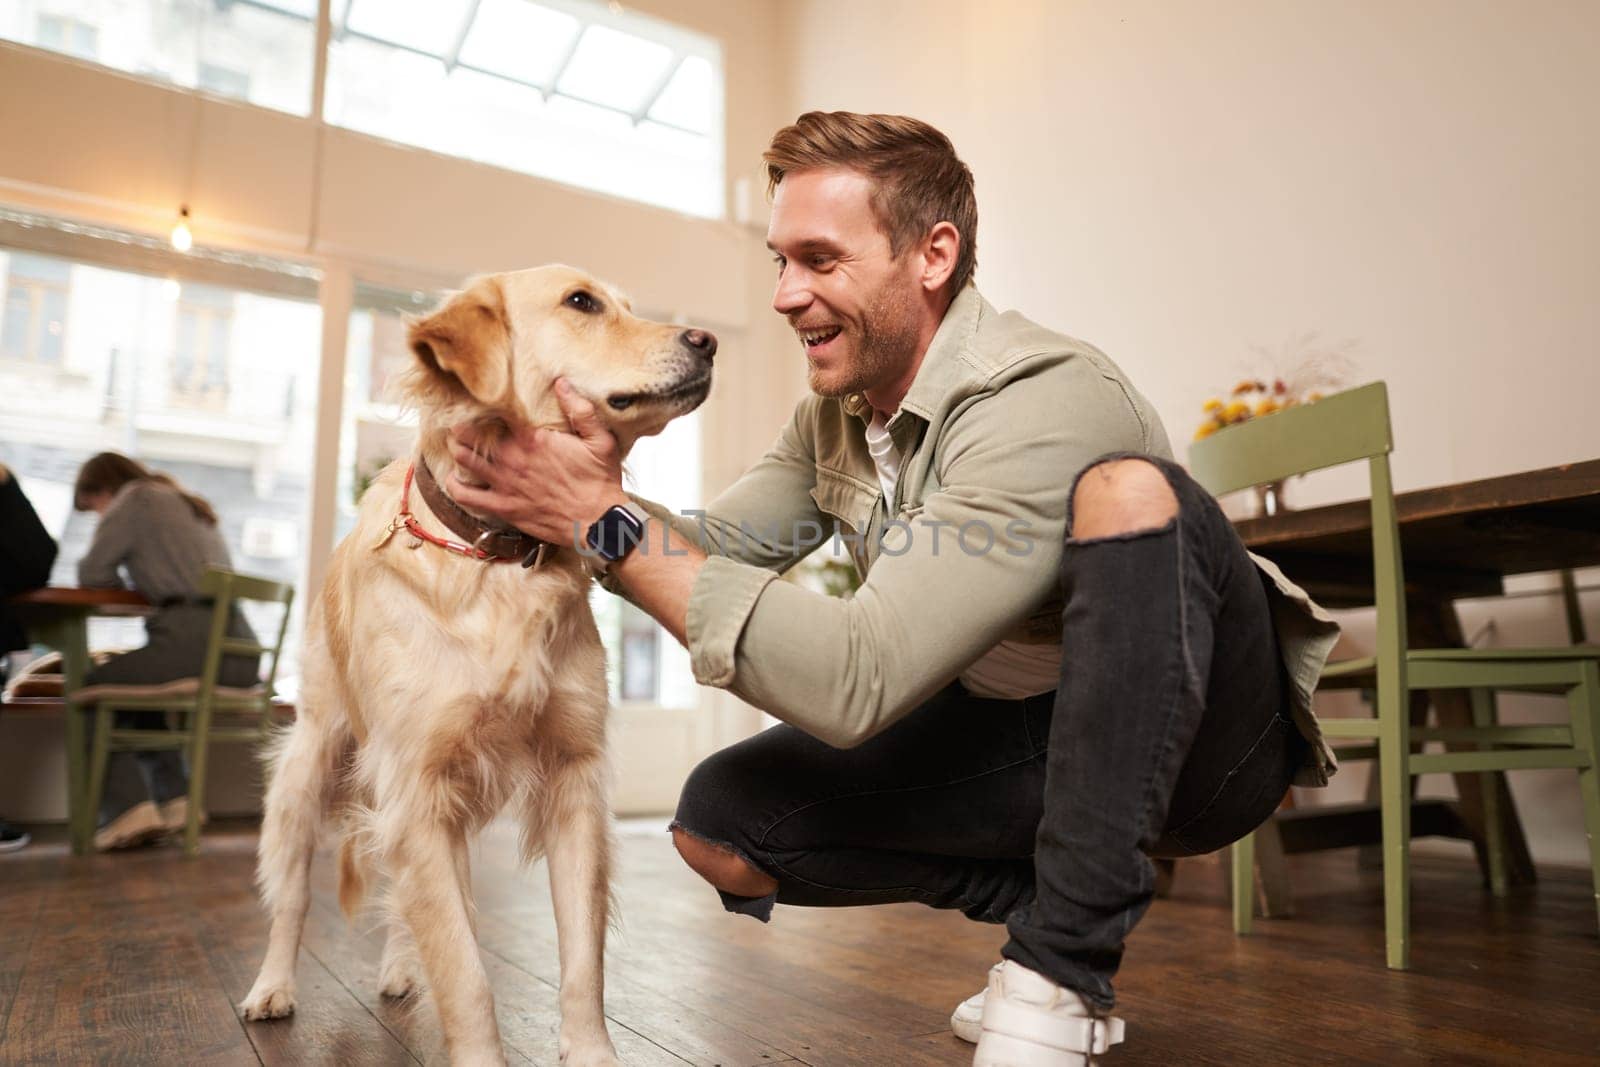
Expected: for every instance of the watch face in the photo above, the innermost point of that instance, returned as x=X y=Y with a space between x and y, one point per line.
x=615 y=534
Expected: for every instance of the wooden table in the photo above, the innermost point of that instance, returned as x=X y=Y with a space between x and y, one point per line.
x=1456 y=541
x=58 y=616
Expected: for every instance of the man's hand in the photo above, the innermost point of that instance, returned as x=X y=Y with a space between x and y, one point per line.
x=550 y=484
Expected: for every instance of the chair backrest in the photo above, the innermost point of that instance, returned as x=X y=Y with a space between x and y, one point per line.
x=228 y=588
x=1338 y=429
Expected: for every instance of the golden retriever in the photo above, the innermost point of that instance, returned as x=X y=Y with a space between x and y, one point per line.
x=439 y=687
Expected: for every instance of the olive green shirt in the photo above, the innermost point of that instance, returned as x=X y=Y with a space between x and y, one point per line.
x=1000 y=418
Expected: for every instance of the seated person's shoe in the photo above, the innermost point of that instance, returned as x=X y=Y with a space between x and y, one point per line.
x=1029 y=1021
x=966 y=1022
x=13 y=837
x=138 y=824
x=175 y=814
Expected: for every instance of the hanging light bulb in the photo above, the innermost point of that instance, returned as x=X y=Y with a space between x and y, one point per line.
x=182 y=239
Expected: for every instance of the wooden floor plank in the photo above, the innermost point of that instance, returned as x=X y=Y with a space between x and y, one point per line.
x=139 y=959
x=329 y=1023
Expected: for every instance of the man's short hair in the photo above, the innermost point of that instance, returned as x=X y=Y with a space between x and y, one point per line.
x=918 y=181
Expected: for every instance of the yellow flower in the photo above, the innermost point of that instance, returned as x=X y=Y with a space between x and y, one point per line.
x=1237 y=411
x=1266 y=406
x=1211 y=406
x=1246 y=387
x=1207 y=428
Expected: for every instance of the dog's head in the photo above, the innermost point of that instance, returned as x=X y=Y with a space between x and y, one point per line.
x=490 y=353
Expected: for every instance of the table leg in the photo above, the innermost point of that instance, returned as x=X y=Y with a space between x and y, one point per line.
x=70 y=637
x=1434 y=624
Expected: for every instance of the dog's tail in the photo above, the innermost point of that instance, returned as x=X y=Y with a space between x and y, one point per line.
x=352 y=877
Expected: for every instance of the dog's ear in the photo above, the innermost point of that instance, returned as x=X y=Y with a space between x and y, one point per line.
x=469 y=339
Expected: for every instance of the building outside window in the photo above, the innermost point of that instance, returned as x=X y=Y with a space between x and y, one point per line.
x=134 y=354
x=201 y=345
x=35 y=323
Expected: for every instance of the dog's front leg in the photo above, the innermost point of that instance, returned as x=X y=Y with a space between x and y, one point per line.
x=578 y=846
x=433 y=903
x=293 y=812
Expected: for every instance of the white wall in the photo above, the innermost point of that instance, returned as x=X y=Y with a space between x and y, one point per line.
x=1179 y=183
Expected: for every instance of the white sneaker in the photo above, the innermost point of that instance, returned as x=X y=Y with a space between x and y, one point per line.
x=966 y=1022
x=135 y=826
x=1029 y=1021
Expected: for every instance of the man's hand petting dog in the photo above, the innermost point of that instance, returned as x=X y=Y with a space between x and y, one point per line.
x=544 y=482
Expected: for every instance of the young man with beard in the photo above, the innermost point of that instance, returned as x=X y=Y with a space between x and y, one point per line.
x=1061 y=660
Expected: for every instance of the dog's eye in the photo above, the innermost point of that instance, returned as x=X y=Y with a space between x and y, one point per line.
x=584 y=301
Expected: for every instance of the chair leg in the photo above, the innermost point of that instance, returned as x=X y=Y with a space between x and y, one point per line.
x=199 y=747
x=1494 y=842
x=1394 y=774
x=100 y=755
x=1584 y=702
x=1244 y=883
x=1277 y=900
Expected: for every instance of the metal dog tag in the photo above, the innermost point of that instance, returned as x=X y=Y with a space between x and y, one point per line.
x=388 y=532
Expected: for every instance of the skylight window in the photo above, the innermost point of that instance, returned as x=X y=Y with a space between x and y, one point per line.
x=568 y=90
x=685 y=102
x=431 y=26
x=520 y=41
x=615 y=70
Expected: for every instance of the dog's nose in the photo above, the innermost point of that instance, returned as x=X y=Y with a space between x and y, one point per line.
x=701 y=341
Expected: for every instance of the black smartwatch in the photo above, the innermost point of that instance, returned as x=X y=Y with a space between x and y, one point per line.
x=615 y=534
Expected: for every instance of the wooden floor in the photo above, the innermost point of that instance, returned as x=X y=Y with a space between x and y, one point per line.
x=139 y=959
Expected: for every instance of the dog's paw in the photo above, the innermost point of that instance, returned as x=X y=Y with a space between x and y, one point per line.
x=589 y=1052
x=268 y=1002
x=399 y=979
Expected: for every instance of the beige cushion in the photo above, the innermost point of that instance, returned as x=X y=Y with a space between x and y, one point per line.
x=181 y=689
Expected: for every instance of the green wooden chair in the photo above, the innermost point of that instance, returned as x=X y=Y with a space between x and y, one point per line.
x=204 y=710
x=1352 y=426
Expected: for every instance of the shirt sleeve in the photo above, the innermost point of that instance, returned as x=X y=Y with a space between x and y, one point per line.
x=113 y=540
x=949 y=581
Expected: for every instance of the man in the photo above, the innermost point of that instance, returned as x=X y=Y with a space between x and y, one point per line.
x=1060 y=661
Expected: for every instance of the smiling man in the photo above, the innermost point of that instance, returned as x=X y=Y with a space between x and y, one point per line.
x=1061 y=660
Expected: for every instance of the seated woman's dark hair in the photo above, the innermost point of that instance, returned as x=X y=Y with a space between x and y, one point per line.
x=108 y=472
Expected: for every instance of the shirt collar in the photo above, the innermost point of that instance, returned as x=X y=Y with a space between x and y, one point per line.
x=940 y=369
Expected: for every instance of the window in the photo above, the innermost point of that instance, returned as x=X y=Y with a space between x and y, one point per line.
x=259 y=51
x=643 y=662
x=35 y=324
x=60 y=34
x=570 y=91
x=200 y=346
x=142 y=349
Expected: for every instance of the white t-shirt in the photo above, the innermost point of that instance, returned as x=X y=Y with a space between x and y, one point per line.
x=1010 y=670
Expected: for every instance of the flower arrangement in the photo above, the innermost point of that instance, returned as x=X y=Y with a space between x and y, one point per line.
x=1319 y=370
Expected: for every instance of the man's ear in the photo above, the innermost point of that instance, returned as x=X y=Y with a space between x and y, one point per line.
x=468 y=339
x=940 y=252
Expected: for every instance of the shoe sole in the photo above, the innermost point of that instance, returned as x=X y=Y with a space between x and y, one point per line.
x=133 y=832
x=967 y=1029
x=16 y=843
x=1016 y=1028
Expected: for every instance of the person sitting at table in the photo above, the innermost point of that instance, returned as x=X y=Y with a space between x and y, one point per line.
x=164 y=537
x=27 y=552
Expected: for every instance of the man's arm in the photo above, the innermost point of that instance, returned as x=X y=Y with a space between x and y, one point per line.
x=113 y=539
x=843 y=670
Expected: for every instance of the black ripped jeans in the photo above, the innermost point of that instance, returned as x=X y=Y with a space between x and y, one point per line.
x=1169 y=735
